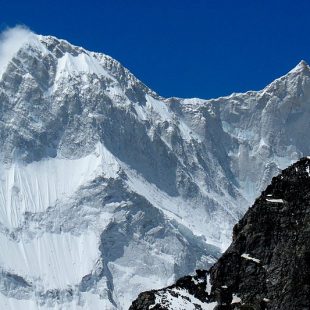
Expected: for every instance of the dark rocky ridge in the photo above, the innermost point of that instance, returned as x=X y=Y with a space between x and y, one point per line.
x=267 y=266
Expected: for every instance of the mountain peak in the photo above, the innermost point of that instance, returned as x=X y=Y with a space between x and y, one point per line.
x=11 y=40
x=302 y=66
x=151 y=180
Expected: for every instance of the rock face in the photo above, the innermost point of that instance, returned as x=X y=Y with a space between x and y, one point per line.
x=189 y=292
x=267 y=266
x=108 y=189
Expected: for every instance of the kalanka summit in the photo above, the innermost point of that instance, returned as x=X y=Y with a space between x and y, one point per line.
x=108 y=189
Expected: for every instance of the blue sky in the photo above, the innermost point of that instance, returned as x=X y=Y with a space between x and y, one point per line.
x=184 y=48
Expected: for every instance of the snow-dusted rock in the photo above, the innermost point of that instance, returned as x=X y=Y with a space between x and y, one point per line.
x=277 y=234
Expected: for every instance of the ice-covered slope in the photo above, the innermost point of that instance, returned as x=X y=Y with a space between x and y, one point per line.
x=108 y=189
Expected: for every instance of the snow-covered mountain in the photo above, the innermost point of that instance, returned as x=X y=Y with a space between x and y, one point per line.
x=108 y=189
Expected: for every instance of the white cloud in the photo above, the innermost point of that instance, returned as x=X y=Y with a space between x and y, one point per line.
x=11 y=40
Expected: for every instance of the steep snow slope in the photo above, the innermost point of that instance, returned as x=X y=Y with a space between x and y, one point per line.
x=108 y=189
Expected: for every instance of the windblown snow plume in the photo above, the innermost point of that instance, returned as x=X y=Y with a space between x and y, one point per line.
x=11 y=40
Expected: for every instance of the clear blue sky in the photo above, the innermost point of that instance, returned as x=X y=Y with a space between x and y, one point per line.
x=184 y=48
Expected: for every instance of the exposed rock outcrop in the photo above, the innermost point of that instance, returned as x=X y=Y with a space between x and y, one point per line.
x=267 y=266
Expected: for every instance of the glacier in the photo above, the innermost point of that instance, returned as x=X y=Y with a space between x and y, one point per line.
x=108 y=189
